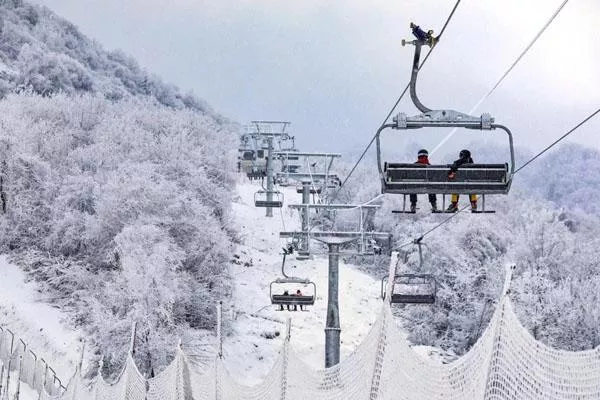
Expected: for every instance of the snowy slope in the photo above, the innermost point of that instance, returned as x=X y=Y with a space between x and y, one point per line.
x=248 y=355
x=40 y=325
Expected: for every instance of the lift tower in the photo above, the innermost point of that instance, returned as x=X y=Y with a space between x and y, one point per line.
x=334 y=241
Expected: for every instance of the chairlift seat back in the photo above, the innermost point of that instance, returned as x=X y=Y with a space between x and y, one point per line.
x=414 y=289
x=281 y=299
x=405 y=178
x=413 y=298
x=260 y=199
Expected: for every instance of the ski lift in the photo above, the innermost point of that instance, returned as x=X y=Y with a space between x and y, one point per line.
x=281 y=294
x=409 y=178
x=261 y=199
x=411 y=288
x=286 y=297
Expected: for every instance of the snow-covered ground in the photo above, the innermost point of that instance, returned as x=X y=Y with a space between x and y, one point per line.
x=248 y=354
x=41 y=326
x=37 y=323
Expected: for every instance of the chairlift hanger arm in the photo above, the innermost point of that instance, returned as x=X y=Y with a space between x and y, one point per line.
x=413 y=77
x=512 y=150
x=378 y=148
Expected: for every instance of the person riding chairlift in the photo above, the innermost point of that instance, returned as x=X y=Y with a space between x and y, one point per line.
x=464 y=158
x=423 y=158
x=298 y=293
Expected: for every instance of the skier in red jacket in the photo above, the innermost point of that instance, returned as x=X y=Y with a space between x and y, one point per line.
x=423 y=158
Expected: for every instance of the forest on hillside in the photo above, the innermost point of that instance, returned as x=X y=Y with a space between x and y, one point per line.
x=120 y=210
x=113 y=198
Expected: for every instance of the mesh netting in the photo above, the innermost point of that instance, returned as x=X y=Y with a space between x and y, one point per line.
x=5 y=344
x=523 y=368
x=130 y=385
x=351 y=379
x=27 y=366
x=204 y=383
x=269 y=389
x=173 y=383
x=407 y=375
x=507 y=363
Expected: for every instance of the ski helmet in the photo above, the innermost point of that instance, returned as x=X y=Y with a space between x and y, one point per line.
x=464 y=153
x=423 y=152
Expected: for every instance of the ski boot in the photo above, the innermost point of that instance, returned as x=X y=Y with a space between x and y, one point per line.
x=452 y=208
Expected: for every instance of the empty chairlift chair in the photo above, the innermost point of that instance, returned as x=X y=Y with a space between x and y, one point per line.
x=411 y=289
x=261 y=199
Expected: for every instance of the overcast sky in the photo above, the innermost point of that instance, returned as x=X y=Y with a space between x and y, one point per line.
x=335 y=68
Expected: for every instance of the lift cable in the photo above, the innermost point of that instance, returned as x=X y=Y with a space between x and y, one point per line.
x=395 y=104
x=488 y=94
x=592 y=115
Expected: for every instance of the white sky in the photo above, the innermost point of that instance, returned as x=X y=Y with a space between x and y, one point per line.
x=335 y=68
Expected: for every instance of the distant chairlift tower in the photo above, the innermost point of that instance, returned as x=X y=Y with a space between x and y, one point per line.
x=269 y=131
x=308 y=182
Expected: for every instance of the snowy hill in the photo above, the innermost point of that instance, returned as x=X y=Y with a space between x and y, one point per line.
x=43 y=53
x=110 y=186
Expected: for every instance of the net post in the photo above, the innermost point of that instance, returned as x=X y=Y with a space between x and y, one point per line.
x=219 y=328
x=132 y=339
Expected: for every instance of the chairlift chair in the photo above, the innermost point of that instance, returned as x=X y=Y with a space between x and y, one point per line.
x=411 y=289
x=279 y=298
x=261 y=199
x=405 y=178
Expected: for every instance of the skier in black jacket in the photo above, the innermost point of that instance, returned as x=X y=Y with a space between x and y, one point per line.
x=464 y=158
